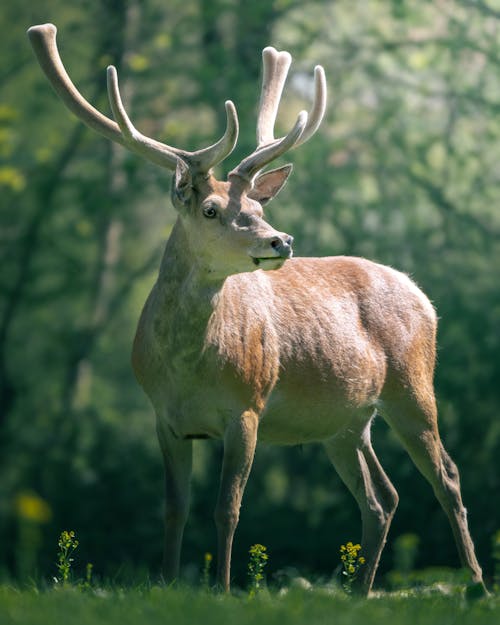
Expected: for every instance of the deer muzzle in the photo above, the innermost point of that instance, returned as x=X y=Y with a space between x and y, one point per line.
x=272 y=252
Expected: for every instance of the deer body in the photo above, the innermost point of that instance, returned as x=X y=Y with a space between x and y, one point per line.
x=240 y=341
x=309 y=346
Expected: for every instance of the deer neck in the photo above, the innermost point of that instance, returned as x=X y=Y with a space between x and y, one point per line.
x=183 y=280
x=182 y=303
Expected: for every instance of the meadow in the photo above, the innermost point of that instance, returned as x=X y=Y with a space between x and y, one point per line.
x=156 y=604
x=427 y=596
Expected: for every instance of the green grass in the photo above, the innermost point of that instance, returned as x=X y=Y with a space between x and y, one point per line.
x=180 y=606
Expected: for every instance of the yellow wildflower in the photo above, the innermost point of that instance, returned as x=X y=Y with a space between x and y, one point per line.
x=31 y=507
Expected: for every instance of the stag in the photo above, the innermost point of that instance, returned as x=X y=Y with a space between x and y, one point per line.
x=241 y=342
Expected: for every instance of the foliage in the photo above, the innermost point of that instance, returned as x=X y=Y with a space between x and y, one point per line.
x=404 y=171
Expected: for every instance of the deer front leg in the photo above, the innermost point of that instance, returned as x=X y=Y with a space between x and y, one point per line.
x=239 y=448
x=177 y=458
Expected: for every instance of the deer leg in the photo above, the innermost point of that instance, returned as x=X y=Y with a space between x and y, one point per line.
x=239 y=448
x=177 y=459
x=352 y=455
x=414 y=419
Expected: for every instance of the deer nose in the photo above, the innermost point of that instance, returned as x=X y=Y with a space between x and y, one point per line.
x=282 y=243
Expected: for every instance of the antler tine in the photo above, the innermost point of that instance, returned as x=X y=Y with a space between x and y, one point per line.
x=164 y=155
x=275 y=69
x=43 y=40
x=263 y=155
x=207 y=158
x=318 y=107
x=132 y=138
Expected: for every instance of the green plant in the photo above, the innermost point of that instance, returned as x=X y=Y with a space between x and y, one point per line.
x=351 y=563
x=67 y=546
x=258 y=560
x=87 y=583
x=405 y=552
x=32 y=512
x=207 y=561
x=495 y=551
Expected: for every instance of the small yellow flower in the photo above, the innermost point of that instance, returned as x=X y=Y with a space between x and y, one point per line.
x=208 y=557
x=31 y=507
x=351 y=562
x=258 y=560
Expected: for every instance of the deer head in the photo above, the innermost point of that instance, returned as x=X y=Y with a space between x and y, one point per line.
x=223 y=221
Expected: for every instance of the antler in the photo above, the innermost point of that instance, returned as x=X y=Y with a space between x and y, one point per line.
x=275 y=70
x=43 y=40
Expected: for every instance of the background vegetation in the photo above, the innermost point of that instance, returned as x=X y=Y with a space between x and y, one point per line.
x=404 y=171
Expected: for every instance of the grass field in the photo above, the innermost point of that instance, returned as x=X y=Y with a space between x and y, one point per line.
x=179 y=606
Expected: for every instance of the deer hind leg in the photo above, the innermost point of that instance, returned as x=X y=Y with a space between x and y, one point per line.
x=414 y=419
x=177 y=459
x=240 y=440
x=352 y=455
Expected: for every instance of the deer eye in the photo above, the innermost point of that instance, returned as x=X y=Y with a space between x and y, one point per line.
x=210 y=211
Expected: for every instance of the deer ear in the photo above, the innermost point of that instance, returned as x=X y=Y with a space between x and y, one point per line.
x=182 y=188
x=269 y=184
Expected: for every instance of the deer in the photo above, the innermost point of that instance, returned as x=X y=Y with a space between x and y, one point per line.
x=241 y=341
